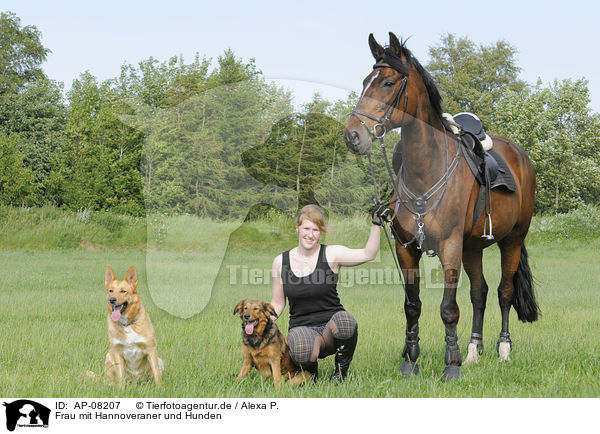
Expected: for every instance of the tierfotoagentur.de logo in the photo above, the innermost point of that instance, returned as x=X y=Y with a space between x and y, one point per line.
x=25 y=413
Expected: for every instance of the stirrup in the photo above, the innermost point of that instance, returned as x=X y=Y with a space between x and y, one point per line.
x=489 y=236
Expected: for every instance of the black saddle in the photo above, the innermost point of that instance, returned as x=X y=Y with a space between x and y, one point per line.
x=471 y=124
x=488 y=167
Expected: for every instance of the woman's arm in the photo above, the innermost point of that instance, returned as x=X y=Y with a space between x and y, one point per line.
x=278 y=297
x=342 y=255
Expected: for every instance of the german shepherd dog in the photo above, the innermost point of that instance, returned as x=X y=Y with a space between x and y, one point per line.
x=264 y=346
x=132 y=351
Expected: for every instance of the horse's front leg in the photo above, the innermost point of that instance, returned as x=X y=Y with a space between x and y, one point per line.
x=409 y=262
x=450 y=254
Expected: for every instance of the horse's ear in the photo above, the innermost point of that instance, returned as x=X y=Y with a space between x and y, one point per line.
x=395 y=45
x=376 y=49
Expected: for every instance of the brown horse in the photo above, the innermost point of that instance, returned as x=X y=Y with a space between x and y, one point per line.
x=434 y=204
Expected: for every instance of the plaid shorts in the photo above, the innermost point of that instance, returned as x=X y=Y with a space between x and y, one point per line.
x=302 y=339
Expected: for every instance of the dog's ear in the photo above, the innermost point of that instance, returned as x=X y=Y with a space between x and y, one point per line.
x=239 y=307
x=268 y=307
x=131 y=277
x=109 y=277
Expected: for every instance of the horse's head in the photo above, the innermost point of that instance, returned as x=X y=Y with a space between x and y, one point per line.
x=384 y=103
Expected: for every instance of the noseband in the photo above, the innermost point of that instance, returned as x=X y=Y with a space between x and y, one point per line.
x=383 y=119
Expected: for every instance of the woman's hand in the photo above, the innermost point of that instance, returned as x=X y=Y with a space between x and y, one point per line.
x=380 y=214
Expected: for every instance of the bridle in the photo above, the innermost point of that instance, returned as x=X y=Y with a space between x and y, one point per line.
x=388 y=60
x=385 y=117
x=419 y=202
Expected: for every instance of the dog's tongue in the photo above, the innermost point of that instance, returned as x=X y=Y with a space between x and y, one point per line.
x=116 y=313
x=249 y=329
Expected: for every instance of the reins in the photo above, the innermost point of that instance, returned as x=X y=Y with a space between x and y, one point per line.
x=381 y=121
x=377 y=200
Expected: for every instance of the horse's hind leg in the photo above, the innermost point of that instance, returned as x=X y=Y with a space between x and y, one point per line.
x=472 y=262
x=516 y=289
x=409 y=262
x=510 y=253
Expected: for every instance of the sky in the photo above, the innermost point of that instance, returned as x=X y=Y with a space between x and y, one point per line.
x=307 y=45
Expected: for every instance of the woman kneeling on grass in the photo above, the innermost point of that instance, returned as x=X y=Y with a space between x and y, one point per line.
x=307 y=276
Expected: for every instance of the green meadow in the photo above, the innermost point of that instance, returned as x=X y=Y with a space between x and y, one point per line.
x=193 y=271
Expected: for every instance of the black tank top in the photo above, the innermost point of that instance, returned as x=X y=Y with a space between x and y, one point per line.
x=313 y=298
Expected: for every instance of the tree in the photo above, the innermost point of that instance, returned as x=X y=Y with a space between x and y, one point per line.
x=191 y=158
x=15 y=178
x=298 y=153
x=474 y=78
x=100 y=162
x=305 y=152
x=37 y=116
x=31 y=106
x=164 y=84
x=21 y=54
x=556 y=128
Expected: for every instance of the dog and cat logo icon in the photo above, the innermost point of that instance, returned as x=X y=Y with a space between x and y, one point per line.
x=26 y=413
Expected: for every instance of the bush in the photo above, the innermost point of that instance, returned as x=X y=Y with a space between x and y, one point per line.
x=582 y=223
x=56 y=228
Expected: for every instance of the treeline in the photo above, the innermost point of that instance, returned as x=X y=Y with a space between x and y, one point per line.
x=215 y=139
x=554 y=124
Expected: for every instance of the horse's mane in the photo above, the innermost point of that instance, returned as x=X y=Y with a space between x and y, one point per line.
x=434 y=95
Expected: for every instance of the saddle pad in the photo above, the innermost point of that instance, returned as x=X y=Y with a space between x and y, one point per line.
x=505 y=177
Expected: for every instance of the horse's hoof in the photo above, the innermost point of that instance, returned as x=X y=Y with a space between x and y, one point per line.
x=473 y=353
x=409 y=368
x=504 y=351
x=451 y=372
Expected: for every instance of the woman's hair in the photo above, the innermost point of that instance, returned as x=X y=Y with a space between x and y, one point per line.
x=313 y=213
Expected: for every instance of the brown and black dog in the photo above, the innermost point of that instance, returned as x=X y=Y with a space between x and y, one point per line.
x=132 y=351
x=264 y=346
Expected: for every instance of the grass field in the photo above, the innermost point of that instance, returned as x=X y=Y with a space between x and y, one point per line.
x=54 y=320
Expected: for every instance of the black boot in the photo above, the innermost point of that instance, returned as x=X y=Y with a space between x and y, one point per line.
x=343 y=356
x=312 y=368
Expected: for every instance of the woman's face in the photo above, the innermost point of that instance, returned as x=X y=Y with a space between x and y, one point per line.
x=308 y=234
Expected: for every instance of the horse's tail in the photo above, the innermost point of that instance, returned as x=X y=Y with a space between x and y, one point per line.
x=524 y=297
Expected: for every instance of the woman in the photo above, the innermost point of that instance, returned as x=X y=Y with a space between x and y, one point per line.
x=307 y=276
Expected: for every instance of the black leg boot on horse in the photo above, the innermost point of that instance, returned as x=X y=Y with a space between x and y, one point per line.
x=412 y=309
x=344 y=351
x=411 y=353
